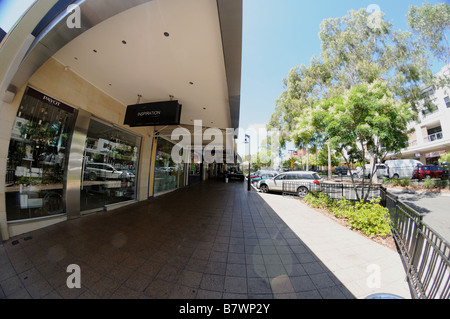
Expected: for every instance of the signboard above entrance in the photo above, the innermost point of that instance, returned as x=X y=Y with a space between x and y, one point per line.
x=153 y=114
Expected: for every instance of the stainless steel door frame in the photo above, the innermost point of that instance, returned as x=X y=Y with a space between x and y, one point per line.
x=75 y=165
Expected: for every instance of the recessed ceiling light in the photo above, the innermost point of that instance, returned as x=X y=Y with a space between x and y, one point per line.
x=166 y=34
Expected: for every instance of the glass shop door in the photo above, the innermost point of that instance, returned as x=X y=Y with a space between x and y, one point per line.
x=109 y=169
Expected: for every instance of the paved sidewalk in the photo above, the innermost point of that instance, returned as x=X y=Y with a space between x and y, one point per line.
x=354 y=259
x=208 y=241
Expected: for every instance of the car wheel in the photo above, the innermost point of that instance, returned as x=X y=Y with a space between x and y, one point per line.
x=396 y=176
x=428 y=177
x=92 y=176
x=264 y=188
x=302 y=191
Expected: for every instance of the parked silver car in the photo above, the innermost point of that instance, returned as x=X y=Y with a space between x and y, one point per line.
x=96 y=171
x=303 y=181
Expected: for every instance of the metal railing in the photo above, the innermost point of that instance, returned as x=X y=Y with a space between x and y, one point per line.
x=292 y=187
x=425 y=254
x=434 y=137
x=350 y=192
x=334 y=190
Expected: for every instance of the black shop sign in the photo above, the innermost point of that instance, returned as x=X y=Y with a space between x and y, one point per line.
x=153 y=114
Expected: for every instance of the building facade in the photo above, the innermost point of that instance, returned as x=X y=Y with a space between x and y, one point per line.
x=69 y=71
x=430 y=136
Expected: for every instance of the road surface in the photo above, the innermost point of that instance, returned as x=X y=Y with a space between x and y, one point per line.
x=434 y=207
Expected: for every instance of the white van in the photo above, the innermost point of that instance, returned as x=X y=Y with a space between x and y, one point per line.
x=381 y=170
x=402 y=168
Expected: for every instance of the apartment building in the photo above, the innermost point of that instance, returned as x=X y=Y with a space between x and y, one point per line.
x=430 y=136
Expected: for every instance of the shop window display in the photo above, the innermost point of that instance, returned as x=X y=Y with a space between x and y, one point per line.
x=37 y=157
x=109 y=166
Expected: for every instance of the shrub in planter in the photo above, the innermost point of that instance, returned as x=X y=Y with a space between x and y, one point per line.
x=435 y=183
x=319 y=200
x=370 y=218
x=400 y=182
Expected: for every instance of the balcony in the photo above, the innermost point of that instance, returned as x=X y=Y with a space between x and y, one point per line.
x=434 y=137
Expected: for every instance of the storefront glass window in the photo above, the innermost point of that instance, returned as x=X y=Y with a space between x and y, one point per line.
x=168 y=175
x=37 y=157
x=109 y=167
x=194 y=168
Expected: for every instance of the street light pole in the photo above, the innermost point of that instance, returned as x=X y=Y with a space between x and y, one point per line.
x=249 y=160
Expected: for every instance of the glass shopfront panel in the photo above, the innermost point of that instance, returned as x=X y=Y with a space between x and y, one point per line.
x=168 y=175
x=194 y=168
x=37 y=157
x=109 y=166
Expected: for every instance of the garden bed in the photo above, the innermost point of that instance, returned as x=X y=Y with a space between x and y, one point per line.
x=385 y=240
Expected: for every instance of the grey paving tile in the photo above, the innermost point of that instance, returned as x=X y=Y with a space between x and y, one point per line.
x=236 y=285
x=212 y=282
x=258 y=286
x=159 y=289
x=228 y=244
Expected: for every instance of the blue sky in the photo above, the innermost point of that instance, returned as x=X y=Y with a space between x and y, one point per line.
x=11 y=11
x=279 y=35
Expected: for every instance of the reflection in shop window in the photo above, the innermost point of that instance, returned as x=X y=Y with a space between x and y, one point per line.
x=110 y=166
x=37 y=157
x=195 y=167
x=168 y=174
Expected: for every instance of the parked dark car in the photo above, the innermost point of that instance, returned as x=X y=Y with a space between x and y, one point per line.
x=430 y=171
x=236 y=176
x=341 y=170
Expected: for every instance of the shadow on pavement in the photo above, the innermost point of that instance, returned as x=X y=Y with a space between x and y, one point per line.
x=209 y=241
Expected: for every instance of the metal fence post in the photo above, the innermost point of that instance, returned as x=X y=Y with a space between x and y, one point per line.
x=418 y=243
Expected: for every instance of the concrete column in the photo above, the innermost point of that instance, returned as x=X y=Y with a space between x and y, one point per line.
x=8 y=113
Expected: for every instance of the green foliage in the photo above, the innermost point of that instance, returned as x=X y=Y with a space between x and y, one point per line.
x=400 y=182
x=367 y=114
x=431 y=24
x=322 y=158
x=435 y=183
x=370 y=218
x=445 y=158
x=319 y=200
x=26 y=180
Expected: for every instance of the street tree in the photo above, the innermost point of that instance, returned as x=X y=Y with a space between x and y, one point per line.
x=365 y=121
x=431 y=23
x=358 y=49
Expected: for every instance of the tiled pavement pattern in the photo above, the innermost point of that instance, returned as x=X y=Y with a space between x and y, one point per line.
x=211 y=240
